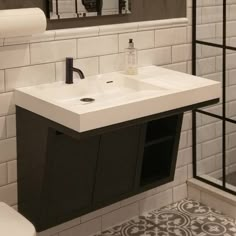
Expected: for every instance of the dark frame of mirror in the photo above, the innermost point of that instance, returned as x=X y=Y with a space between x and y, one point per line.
x=66 y=9
x=142 y=10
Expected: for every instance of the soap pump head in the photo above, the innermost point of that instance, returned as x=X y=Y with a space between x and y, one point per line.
x=131 y=43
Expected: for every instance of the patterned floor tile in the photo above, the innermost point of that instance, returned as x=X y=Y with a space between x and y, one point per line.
x=184 y=218
x=135 y=227
x=189 y=217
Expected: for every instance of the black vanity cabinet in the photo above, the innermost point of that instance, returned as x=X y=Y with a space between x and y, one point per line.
x=116 y=168
x=69 y=176
x=63 y=174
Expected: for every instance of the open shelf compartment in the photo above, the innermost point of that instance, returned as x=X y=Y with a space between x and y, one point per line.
x=157 y=161
x=162 y=128
x=160 y=150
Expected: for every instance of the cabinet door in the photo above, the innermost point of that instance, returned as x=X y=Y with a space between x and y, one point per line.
x=116 y=165
x=71 y=169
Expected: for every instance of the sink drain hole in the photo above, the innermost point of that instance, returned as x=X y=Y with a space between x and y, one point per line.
x=87 y=99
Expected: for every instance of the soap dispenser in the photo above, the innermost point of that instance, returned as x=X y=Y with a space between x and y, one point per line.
x=131 y=59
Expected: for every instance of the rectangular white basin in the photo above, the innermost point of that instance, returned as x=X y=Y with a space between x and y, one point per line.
x=112 y=98
x=103 y=90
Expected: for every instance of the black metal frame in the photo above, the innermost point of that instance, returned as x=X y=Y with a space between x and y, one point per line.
x=223 y=118
x=99 y=5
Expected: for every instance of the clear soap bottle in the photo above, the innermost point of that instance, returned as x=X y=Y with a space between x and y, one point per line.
x=131 y=59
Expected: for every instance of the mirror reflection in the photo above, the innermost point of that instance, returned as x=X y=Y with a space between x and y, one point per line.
x=61 y=9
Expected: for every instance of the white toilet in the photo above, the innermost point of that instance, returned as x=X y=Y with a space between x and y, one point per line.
x=14 y=224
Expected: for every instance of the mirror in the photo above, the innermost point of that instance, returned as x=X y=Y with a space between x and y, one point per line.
x=62 y=9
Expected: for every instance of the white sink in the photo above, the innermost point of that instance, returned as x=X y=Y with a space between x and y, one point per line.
x=102 y=90
x=115 y=98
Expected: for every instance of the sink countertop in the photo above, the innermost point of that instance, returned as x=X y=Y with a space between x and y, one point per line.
x=118 y=97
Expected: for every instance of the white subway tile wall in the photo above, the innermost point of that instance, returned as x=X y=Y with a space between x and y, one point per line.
x=167 y=37
x=7 y=106
x=8 y=194
x=7 y=150
x=3 y=174
x=2 y=127
x=28 y=76
x=41 y=59
x=2 y=84
x=156 y=56
x=11 y=126
x=120 y=215
x=156 y=201
x=110 y=63
x=14 y=56
x=97 y=46
x=52 y=51
x=179 y=192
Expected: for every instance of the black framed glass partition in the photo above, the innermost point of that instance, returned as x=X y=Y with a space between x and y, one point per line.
x=214 y=127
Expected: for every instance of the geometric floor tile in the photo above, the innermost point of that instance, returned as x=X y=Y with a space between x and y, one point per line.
x=184 y=218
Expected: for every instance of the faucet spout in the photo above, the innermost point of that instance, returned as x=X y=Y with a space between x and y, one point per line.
x=80 y=72
x=70 y=69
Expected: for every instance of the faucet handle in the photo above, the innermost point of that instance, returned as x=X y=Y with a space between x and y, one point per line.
x=69 y=70
x=69 y=62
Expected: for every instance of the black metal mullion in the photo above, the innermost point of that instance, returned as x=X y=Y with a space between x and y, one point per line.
x=194 y=35
x=57 y=9
x=224 y=96
x=209 y=44
x=76 y=8
x=216 y=116
x=215 y=185
x=215 y=45
x=194 y=142
x=194 y=72
x=231 y=48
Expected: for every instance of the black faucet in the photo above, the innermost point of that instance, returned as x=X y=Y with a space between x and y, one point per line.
x=70 y=69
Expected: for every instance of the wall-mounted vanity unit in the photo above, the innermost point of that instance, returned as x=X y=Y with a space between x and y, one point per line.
x=75 y=157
